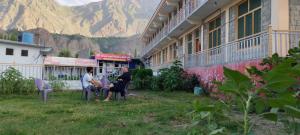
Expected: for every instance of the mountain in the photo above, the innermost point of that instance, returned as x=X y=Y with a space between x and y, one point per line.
x=82 y=46
x=118 y=18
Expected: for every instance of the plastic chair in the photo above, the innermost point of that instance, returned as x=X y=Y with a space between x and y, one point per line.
x=44 y=90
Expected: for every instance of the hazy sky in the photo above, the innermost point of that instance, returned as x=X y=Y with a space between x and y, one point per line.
x=75 y=2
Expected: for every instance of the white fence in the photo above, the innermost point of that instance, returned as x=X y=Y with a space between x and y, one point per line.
x=27 y=71
x=58 y=72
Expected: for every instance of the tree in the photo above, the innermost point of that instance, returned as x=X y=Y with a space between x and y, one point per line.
x=65 y=53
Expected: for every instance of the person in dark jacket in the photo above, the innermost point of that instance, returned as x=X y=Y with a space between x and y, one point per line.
x=120 y=85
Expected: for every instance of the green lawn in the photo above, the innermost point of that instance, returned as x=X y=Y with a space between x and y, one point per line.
x=65 y=113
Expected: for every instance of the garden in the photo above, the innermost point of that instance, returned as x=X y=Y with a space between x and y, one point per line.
x=263 y=100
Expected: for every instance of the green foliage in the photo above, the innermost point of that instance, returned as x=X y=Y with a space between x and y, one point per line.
x=142 y=78
x=65 y=53
x=275 y=87
x=58 y=84
x=12 y=82
x=174 y=78
x=210 y=115
x=171 y=76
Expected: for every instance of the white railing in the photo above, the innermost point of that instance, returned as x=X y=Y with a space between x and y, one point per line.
x=250 y=48
x=284 y=40
x=182 y=14
x=27 y=71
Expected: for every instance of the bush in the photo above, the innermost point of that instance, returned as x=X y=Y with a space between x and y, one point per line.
x=174 y=78
x=12 y=82
x=57 y=85
x=142 y=78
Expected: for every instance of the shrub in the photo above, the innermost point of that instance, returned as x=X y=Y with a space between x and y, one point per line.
x=142 y=78
x=57 y=85
x=12 y=82
x=189 y=82
x=174 y=78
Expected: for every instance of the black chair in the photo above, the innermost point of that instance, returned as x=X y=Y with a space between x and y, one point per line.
x=118 y=94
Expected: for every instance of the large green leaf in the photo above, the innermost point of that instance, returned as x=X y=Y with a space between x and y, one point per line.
x=282 y=100
x=292 y=111
x=260 y=106
x=280 y=78
x=271 y=116
x=236 y=81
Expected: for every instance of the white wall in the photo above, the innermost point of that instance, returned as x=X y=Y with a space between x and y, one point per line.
x=29 y=66
x=33 y=57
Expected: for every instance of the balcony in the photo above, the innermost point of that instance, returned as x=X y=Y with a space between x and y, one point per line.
x=254 y=47
x=194 y=11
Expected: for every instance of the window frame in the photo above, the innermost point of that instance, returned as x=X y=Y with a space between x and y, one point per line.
x=244 y=17
x=212 y=31
x=27 y=53
x=6 y=51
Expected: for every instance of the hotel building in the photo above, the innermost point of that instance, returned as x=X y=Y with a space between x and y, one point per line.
x=206 y=35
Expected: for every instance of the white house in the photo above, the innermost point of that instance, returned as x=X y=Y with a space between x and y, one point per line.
x=27 y=58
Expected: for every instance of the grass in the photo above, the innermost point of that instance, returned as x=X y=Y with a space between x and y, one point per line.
x=65 y=113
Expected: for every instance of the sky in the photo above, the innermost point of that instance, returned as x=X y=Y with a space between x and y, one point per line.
x=75 y=2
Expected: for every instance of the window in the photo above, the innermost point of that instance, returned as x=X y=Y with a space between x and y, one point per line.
x=24 y=52
x=174 y=51
x=9 y=51
x=249 y=20
x=190 y=43
x=215 y=33
x=197 y=41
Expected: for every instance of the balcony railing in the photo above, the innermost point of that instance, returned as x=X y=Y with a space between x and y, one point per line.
x=181 y=15
x=250 y=48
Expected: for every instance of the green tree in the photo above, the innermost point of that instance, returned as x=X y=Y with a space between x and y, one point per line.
x=65 y=53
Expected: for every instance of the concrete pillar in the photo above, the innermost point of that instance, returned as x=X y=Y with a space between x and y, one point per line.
x=280 y=21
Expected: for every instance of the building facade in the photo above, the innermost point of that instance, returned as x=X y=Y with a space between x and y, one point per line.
x=206 y=35
x=27 y=58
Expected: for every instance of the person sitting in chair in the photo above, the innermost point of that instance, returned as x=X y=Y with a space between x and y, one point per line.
x=90 y=84
x=120 y=85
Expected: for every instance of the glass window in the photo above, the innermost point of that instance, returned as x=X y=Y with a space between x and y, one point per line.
x=243 y=8
x=249 y=25
x=219 y=37
x=257 y=21
x=212 y=25
x=24 y=53
x=241 y=30
x=255 y=4
x=210 y=41
x=9 y=51
x=218 y=22
x=215 y=33
x=249 y=20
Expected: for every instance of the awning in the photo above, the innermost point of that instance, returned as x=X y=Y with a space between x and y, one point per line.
x=72 y=62
x=113 y=57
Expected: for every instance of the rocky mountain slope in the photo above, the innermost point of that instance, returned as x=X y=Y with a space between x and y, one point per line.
x=99 y=19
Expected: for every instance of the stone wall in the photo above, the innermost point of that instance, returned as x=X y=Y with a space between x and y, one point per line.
x=265 y=14
x=294 y=14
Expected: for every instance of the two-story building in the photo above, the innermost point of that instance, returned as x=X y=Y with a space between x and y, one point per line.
x=209 y=34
